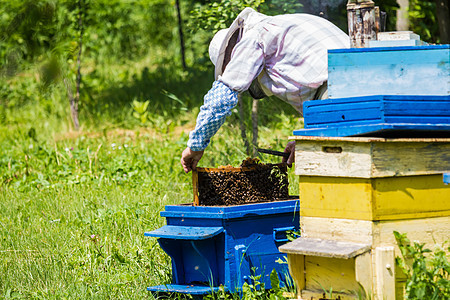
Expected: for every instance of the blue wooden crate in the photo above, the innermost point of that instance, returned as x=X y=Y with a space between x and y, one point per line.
x=378 y=115
x=414 y=70
x=224 y=245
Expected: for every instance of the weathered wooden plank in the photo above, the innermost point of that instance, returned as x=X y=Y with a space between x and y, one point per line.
x=348 y=160
x=357 y=231
x=319 y=294
x=324 y=248
x=362 y=26
x=378 y=233
x=405 y=159
x=385 y=273
x=363 y=272
x=373 y=44
x=430 y=231
x=397 y=36
x=375 y=158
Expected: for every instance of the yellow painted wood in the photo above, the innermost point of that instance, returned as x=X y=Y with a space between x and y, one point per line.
x=411 y=197
x=316 y=295
x=348 y=198
x=363 y=272
x=430 y=231
x=296 y=265
x=330 y=273
x=391 y=198
x=370 y=157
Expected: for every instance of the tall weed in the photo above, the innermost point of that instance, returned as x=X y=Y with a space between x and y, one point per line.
x=427 y=272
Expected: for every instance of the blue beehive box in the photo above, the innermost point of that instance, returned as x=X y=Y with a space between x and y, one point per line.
x=224 y=245
x=414 y=70
x=380 y=115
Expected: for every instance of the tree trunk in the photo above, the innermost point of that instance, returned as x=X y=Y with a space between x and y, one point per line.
x=402 y=15
x=73 y=104
x=180 y=32
x=443 y=17
x=242 y=125
x=255 y=127
x=74 y=101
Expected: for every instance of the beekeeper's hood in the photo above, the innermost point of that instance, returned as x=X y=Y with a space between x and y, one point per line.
x=223 y=42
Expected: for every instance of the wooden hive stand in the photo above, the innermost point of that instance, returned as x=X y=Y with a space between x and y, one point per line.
x=354 y=192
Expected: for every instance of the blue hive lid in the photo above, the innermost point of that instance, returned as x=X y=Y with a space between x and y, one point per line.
x=231 y=212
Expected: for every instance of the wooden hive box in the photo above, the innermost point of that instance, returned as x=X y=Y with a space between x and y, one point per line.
x=354 y=192
x=373 y=178
x=345 y=255
x=422 y=70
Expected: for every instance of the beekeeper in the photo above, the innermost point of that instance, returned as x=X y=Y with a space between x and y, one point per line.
x=284 y=55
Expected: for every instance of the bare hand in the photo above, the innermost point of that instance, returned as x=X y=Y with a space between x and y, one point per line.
x=290 y=148
x=190 y=159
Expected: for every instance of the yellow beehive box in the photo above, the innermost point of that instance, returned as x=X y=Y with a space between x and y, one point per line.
x=354 y=192
x=317 y=262
x=390 y=198
x=363 y=157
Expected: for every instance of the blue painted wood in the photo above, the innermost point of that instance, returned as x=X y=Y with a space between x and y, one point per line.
x=185 y=233
x=385 y=109
x=378 y=130
x=184 y=289
x=350 y=50
x=446 y=178
x=248 y=240
x=419 y=70
x=228 y=212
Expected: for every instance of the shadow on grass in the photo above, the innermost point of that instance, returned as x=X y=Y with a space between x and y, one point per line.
x=169 y=90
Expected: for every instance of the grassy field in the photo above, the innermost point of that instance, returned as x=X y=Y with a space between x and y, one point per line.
x=74 y=206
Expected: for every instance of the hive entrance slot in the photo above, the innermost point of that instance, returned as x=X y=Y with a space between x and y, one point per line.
x=327 y=149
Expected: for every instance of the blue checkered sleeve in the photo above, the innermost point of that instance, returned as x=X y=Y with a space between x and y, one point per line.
x=217 y=105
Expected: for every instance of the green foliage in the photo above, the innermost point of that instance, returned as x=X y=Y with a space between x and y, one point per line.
x=140 y=110
x=427 y=272
x=219 y=15
x=113 y=29
x=253 y=290
x=423 y=21
x=390 y=7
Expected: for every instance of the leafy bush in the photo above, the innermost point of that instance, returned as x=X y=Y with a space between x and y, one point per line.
x=253 y=290
x=423 y=21
x=428 y=276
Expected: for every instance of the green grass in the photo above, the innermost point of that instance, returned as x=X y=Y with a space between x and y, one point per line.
x=74 y=206
x=73 y=210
